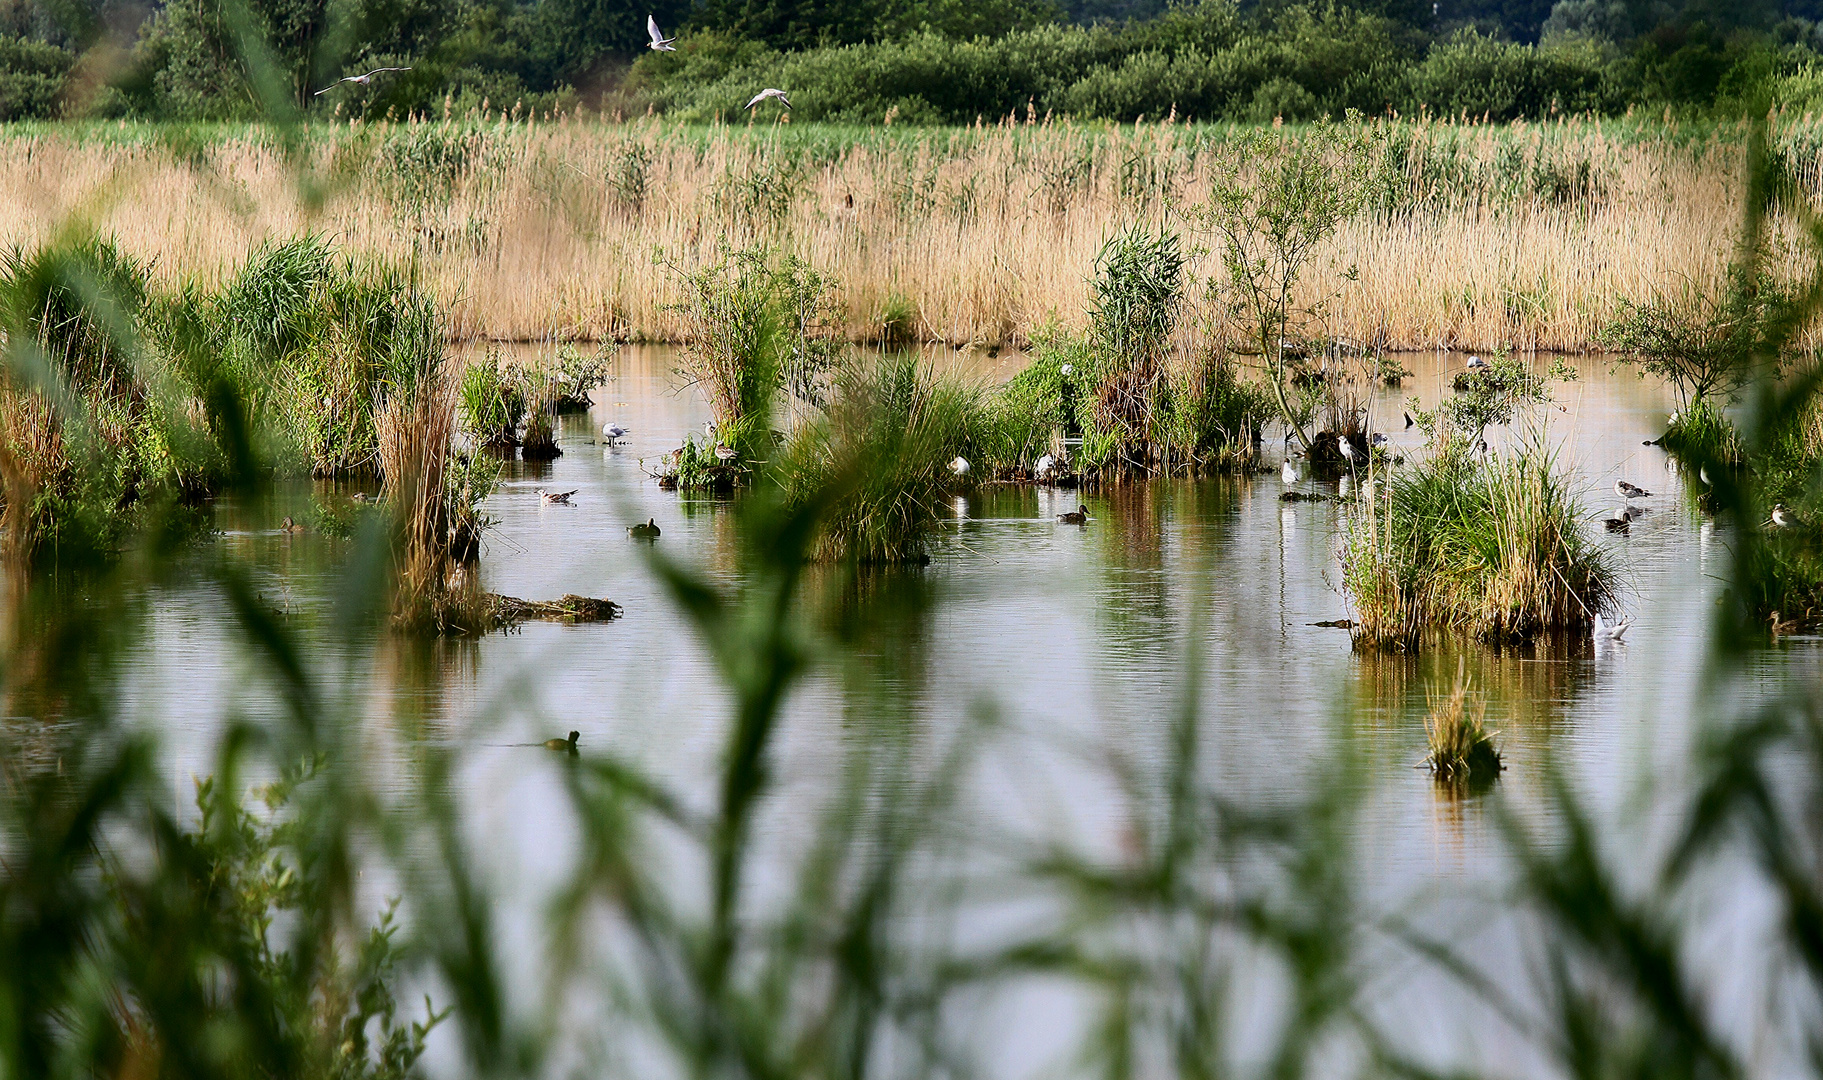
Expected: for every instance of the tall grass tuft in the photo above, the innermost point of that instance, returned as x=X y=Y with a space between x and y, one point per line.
x=493 y=404
x=1137 y=290
x=1494 y=548
x=1462 y=750
x=879 y=456
x=736 y=347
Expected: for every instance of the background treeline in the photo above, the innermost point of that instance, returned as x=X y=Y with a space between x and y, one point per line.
x=908 y=60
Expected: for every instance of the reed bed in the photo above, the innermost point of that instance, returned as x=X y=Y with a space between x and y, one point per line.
x=1478 y=236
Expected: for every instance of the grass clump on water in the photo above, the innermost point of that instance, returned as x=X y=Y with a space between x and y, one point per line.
x=1491 y=546
x=1462 y=750
x=880 y=457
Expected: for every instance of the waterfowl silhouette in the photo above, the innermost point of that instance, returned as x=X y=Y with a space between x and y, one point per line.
x=1408 y=420
x=1078 y=516
x=648 y=531
x=566 y=745
x=1618 y=524
x=290 y=526
x=562 y=497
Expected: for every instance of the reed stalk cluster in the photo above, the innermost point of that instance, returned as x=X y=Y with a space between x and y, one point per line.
x=1470 y=236
x=1491 y=545
x=1462 y=750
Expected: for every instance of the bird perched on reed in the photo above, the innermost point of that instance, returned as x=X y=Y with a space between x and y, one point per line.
x=1629 y=492
x=647 y=531
x=659 y=42
x=1078 y=516
x=560 y=497
x=959 y=465
x=614 y=433
x=770 y=92
x=567 y=746
x=360 y=80
x=1604 y=630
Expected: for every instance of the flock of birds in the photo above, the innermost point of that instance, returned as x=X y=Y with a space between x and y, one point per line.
x=658 y=43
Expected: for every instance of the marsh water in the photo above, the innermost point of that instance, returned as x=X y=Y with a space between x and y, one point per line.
x=1076 y=641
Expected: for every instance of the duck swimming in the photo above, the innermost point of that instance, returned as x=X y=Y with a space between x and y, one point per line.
x=290 y=526
x=1078 y=516
x=647 y=531
x=566 y=745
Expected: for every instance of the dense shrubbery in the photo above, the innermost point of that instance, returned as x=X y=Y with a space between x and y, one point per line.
x=912 y=60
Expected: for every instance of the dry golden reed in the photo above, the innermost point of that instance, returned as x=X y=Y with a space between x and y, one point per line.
x=1517 y=235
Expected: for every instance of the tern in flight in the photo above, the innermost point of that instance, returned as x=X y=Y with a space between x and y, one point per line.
x=770 y=92
x=659 y=42
x=362 y=79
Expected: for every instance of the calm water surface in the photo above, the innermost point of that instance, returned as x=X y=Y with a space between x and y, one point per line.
x=1077 y=639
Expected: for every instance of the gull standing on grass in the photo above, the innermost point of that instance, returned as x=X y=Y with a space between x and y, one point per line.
x=659 y=42
x=362 y=79
x=770 y=92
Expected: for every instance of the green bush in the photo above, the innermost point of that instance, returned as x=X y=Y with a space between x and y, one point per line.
x=32 y=77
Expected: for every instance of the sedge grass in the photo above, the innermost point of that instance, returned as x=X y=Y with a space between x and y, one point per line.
x=526 y=231
x=1491 y=547
x=1462 y=750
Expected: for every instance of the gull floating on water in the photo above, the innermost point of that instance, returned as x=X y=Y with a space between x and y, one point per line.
x=770 y=92
x=1629 y=492
x=1604 y=630
x=959 y=465
x=659 y=42
x=361 y=79
x=557 y=496
x=615 y=433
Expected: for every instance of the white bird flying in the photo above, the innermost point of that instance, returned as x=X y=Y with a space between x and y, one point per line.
x=959 y=465
x=659 y=42
x=1607 y=631
x=615 y=433
x=362 y=79
x=1629 y=492
x=770 y=92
